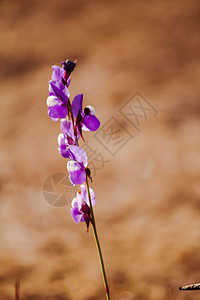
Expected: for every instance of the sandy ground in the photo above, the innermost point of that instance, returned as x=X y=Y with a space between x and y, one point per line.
x=148 y=191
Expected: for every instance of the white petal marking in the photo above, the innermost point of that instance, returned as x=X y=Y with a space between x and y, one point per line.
x=72 y=166
x=92 y=110
x=60 y=137
x=51 y=101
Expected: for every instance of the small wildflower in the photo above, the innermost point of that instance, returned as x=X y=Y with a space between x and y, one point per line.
x=67 y=137
x=80 y=210
x=57 y=100
x=85 y=119
x=77 y=164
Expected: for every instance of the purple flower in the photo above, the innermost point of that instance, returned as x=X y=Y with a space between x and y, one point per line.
x=85 y=119
x=57 y=100
x=67 y=137
x=77 y=164
x=80 y=210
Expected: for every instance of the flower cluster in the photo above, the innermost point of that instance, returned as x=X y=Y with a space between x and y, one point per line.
x=74 y=119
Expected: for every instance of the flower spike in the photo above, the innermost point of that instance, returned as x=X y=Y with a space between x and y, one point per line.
x=73 y=120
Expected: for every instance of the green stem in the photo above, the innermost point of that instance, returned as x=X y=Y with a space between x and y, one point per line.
x=98 y=244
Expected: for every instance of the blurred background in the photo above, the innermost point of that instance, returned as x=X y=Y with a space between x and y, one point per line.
x=148 y=193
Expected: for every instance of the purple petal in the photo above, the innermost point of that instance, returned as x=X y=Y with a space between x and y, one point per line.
x=67 y=127
x=76 y=215
x=57 y=74
x=77 y=105
x=82 y=218
x=91 y=122
x=77 y=173
x=84 y=195
x=78 y=154
x=63 y=151
x=77 y=202
x=60 y=86
x=59 y=90
x=57 y=111
x=63 y=145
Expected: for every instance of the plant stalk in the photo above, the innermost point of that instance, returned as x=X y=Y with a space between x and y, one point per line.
x=98 y=244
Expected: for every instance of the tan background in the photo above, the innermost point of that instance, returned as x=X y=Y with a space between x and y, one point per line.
x=148 y=197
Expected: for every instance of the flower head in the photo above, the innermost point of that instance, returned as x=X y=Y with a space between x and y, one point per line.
x=77 y=164
x=67 y=137
x=80 y=210
x=85 y=119
x=68 y=67
x=57 y=100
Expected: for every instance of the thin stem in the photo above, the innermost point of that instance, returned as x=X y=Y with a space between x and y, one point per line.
x=98 y=244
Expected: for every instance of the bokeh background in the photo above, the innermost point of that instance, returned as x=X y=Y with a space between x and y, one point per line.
x=148 y=195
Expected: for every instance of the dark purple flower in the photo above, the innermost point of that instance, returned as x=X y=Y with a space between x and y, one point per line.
x=85 y=119
x=68 y=67
x=80 y=210
x=77 y=164
x=57 y=100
